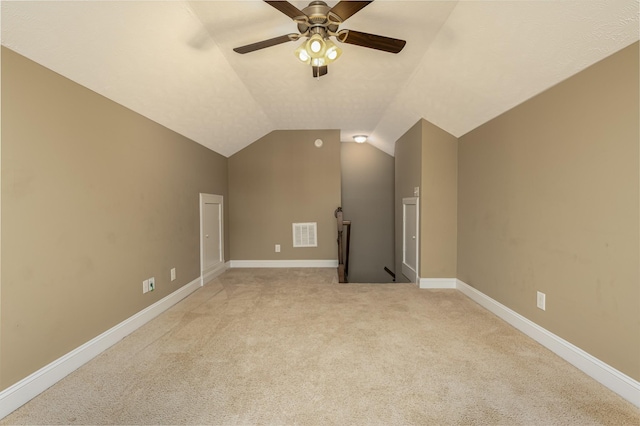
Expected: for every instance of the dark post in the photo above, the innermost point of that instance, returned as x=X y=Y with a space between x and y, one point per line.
x=341 y=269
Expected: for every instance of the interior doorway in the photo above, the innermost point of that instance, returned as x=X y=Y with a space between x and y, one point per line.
x=211 y=236
x=410 y=238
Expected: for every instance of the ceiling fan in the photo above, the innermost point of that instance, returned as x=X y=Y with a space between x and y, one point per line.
x=318 y=22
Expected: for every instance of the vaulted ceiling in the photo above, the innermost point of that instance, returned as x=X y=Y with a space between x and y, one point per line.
x=465 y=62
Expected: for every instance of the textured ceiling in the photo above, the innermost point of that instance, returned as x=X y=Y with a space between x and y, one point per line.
x=172 y=61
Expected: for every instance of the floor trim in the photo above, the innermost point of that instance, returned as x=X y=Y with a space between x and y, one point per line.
x=28 y=388
x=615 y=380
x=437 y=283
x=329 y=263
x=209 y=275
x=20 y=393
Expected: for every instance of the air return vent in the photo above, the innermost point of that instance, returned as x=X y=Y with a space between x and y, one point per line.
x=304 y=234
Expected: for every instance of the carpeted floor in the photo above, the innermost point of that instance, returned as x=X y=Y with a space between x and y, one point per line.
x=282 y=347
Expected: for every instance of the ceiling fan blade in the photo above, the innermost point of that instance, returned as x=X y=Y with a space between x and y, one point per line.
x=288 y=9
x=320 y=71
x=266 y=43
x=372 y=41
x=345 y=9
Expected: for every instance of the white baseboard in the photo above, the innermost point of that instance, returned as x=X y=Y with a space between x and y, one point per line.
x=31 y=386
x=213 y=273
x=618 y=382
x=329 y=263
x=437 y=283
x=28 y=388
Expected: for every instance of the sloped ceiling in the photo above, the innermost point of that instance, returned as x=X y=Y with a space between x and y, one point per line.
x=172 y=61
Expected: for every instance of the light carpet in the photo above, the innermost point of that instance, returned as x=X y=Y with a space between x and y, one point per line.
x=292 y=346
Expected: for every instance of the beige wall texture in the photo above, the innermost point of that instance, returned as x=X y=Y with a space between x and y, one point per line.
x=426 y=157
x=438 y=203
x=367 y=200
x=95 y=199
x=408 y=164
x=548 y=201
x=278 y=180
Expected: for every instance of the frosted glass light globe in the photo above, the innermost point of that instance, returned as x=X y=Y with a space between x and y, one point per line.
x=315 y=46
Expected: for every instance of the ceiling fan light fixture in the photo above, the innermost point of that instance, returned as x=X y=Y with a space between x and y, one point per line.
x=333 y=52
x=360 y=138
x=316 y=46
x=302 y=55
x=318 y=62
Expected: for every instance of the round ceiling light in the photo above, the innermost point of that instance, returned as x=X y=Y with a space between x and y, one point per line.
x=360 y=138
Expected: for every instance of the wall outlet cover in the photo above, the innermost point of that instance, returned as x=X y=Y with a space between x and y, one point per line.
x=173 y=274
x=145 y=286
x=541 y=301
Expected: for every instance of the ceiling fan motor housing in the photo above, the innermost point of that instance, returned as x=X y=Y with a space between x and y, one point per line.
x=317 y=17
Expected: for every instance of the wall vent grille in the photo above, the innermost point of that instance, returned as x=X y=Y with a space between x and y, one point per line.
x=305 y=234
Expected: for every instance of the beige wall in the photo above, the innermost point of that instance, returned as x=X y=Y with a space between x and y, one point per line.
x=548 y=201
x=95 y=199
x=408 y=164
x=280 y=179
x=367 y=200
x=426 y=157
x=438 y=203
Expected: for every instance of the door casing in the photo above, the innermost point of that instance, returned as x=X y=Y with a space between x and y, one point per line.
x=208 y=272
x=411 y=243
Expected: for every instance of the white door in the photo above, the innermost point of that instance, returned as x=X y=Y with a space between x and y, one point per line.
x=410 y=237
x=211 y=236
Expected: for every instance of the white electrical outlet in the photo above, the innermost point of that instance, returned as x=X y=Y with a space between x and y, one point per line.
x=541 y=301
x=173 y=274
x=416 y=191
x=152 y=284
x=277 y=248
x=145 y=286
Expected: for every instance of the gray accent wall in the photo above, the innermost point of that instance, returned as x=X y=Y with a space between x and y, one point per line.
x=367 y=200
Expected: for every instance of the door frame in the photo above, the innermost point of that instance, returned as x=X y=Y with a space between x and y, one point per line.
x=207 y=275
x=407 y=271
